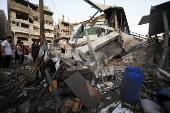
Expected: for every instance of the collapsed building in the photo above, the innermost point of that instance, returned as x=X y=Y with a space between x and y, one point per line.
x=25 y=22
x=83 y=82
x=107 y=31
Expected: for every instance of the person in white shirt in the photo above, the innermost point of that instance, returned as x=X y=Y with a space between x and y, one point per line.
x=7 y=53
x=19 y=52
x=64 y=47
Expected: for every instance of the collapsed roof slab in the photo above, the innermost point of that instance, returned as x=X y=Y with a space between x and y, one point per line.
x=99 y=42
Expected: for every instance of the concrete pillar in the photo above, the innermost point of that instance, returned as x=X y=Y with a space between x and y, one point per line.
x=58 y=21
x=63 y=17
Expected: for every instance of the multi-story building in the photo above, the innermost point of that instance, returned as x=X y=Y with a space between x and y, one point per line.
x=3 y=25
x=62 y=30
x=25 y=21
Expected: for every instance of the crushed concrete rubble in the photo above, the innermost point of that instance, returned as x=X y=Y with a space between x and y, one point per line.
x=106 y=85
x=91 y=78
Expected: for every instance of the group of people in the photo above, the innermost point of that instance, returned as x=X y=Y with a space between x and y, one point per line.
x=6 y=50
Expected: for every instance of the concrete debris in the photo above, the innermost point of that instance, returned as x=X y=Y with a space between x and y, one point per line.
x=83 y=90
x=86 y=73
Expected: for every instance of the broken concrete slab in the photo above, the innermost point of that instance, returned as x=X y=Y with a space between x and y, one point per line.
x=108 y=51
x=99 y=42
x=77 y=58
x=83 y=90
x=80 y=69
x=105 y=27
x=129 y=41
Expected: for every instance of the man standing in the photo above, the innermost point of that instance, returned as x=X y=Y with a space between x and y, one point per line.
x=7 y=53
x=22 y=56
x=35 y=50
x=19 y=52
x=64 y=46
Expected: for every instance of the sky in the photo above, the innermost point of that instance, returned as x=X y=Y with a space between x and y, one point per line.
x=78 y=10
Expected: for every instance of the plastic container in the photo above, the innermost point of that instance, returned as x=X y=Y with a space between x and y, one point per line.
x=55 y=84
x=163 y=96
x=131 y=85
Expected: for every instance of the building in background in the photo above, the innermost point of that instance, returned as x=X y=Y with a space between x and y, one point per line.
x=91 y=28
x=62 y=30
x=25 y=21
x=3 y=25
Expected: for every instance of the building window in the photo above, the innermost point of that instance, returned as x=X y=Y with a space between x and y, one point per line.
x=50 y=22
x=49 y=41
x=13 y=22
x=24 y=25
x=46 y=21
x=18 y=24
x=36 y=18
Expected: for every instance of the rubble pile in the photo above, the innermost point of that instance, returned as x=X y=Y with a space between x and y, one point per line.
x=117 y=72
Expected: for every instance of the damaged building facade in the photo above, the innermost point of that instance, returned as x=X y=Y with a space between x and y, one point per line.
x=62 y=30
x=25 y=21
x=107 y=31
x=3 y=25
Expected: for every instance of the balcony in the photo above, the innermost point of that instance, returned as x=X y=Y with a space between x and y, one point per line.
x=37 y=14
x=20 y=20
x=35 y=33
x=47 y=17
x=64 y=35
x=50 y=35
x=20 y=29
x=47 y=26
x=18 y=7
x=33 y=13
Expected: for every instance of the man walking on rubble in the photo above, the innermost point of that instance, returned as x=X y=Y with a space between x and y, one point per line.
x=7 y=53
x=64 y=46
x=35 y=50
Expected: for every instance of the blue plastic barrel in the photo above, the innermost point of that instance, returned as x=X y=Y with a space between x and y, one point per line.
x=163 y=96
x=131 y=85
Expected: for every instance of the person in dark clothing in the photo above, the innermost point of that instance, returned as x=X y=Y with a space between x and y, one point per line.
x=26 y=50
x=22 y=56
x=35 y=50
x=33 y=44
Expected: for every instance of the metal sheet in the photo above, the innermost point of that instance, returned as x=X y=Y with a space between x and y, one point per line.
x=83 y=90
x=144 y=20
x=100 y=6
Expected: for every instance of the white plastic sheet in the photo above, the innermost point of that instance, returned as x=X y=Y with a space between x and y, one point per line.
x=57 y=60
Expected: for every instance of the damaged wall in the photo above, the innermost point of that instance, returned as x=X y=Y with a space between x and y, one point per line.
x=129 y=41
x=141 y=56
x=108 y=51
